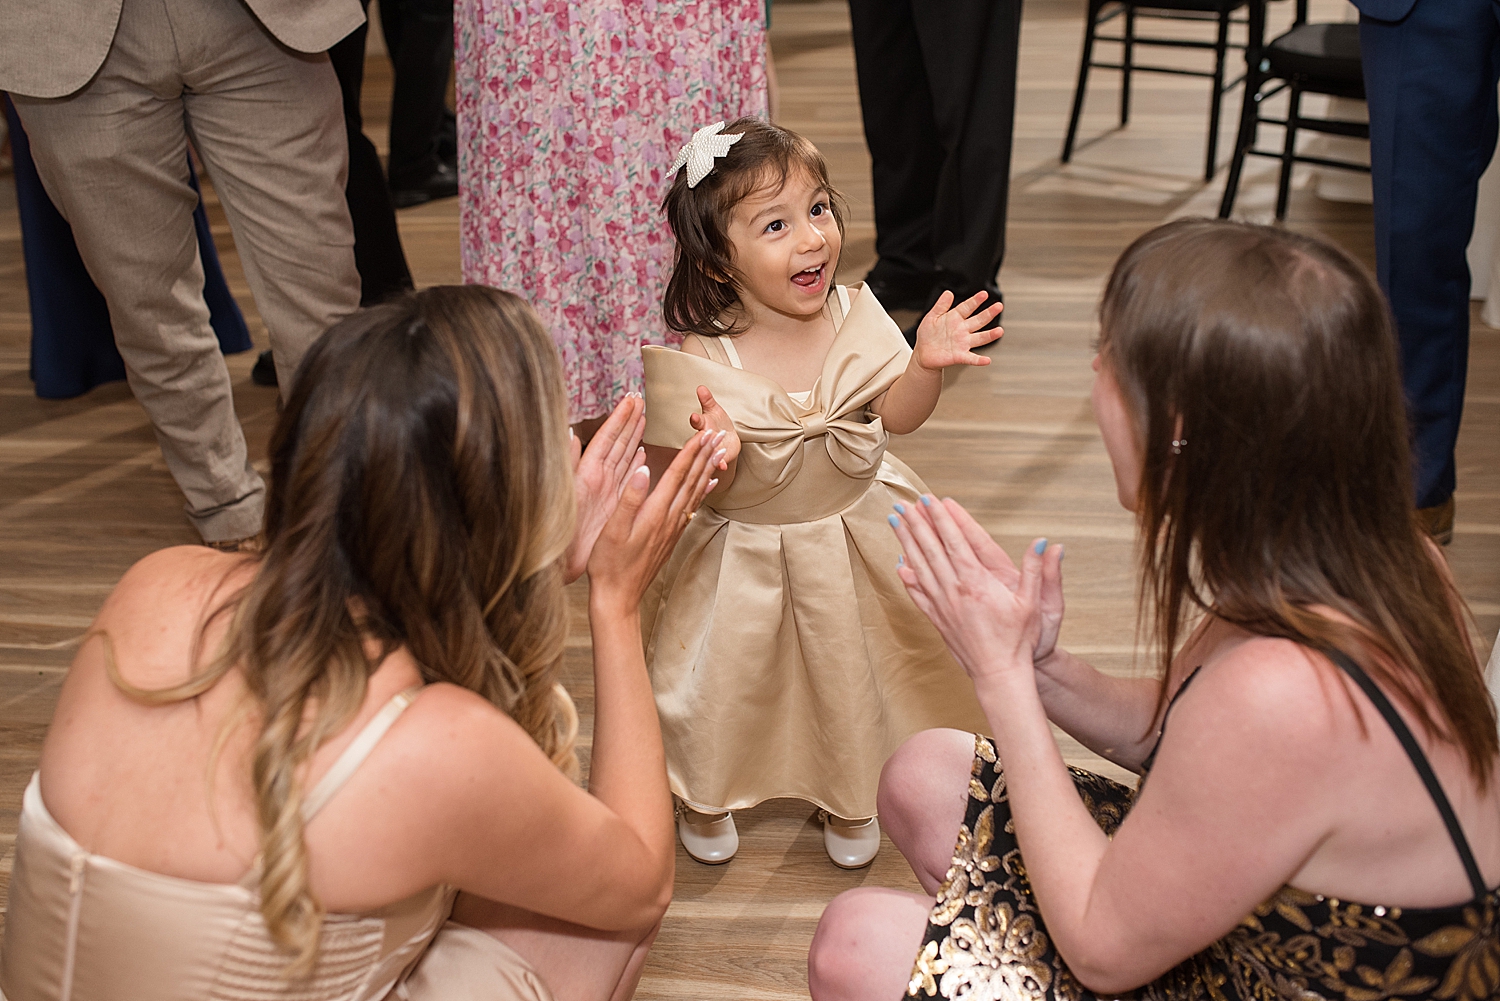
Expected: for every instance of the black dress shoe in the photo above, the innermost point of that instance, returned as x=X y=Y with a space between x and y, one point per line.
x=441 y=183
x=901 y=292
x=264 y=372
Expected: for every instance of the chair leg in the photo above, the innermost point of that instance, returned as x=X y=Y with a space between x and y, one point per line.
x=1284 y=186
x=1127 y=61
x=1221 y=48
x=1244 y=140
x=1089 y=30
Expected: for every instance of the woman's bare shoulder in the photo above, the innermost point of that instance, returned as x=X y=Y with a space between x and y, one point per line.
x=693 y=345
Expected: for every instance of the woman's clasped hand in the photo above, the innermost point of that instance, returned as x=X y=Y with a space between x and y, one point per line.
x=996 y=618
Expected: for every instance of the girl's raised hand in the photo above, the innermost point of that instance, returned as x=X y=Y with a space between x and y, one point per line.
x=645 y=525
x=948 y=334
x=715 y=419
x=993 y=628
x=599 y=475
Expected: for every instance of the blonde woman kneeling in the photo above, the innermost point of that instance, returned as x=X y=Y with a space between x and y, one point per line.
x=269 y=777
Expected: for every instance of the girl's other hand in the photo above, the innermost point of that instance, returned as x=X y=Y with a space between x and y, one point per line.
x=599 y=475
x=645 y=526
x=993 y=628
x=715 y=419
x=948 y=333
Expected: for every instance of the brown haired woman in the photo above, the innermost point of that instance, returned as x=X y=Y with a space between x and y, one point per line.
x=1322 y=736
x=269 y=776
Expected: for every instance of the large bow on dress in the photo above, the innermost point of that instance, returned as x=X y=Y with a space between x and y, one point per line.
x=771 y=425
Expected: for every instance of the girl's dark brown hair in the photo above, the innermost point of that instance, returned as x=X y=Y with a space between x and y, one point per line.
x=703 y=285
x=1274 y=356
x=420 y=497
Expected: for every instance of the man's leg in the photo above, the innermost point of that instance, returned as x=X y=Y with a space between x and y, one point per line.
x=113 y=158
x=420 y=59
x=971 y=48
x=269 y=125
x=1430 y=81
x=383 y=271
x=905 y=153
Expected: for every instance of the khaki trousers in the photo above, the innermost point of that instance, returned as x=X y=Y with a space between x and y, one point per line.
x=268 y=124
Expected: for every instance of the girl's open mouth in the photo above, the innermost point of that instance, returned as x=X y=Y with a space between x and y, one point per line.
x=809 y=279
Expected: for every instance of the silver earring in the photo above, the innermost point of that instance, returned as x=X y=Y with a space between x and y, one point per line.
x=1177 y=444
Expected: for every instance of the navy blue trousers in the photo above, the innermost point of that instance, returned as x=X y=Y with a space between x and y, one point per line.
x=1430 y=79
x=72 y=342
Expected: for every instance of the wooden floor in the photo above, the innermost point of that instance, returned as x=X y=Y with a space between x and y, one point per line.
x=84 y=493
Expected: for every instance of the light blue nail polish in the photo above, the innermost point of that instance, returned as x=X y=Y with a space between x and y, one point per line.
x=926 y=501
x=1041 y=546
x=901 y=560
x=893 y=520
x=900 y=508
x=1061 y=552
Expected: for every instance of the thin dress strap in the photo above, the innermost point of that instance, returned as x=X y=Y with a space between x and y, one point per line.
x=355 y=754
x=1150 y=758
x=843 y=308
x=727 y=343
x=713 y=347
x=1419 y=761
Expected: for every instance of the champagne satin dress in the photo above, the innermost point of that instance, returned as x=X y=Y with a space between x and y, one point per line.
x=786 y=656
x=84 y=927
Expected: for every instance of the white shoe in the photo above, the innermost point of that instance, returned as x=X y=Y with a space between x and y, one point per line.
x=709 y=838
x=850 y=844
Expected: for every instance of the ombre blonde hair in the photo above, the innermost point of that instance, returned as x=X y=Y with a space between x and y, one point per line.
x=420 y=497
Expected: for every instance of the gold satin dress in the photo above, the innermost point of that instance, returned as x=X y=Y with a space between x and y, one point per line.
x=786 y=657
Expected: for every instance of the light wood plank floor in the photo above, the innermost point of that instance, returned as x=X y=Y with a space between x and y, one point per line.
x=84 y=493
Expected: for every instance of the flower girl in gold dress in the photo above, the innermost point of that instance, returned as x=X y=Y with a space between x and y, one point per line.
x=786 y=657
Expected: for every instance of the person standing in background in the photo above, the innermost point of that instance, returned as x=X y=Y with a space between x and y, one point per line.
x=378 y=256
x=419 y=37
x=109 y=95
x=568 y=120
x=937 y=89
x=72 y=344
x=1431 y=69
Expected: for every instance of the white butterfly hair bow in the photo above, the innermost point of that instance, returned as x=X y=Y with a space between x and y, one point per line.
x=701 y=151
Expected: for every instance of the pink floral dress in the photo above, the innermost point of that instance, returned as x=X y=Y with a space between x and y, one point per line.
x=569 y=115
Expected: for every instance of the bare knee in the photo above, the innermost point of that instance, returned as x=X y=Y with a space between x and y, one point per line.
x=865 y=944
x=834 y=960
x=924 y=780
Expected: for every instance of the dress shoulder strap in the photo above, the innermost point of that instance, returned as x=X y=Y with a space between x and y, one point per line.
x=355 y=754
x=715 y=348
x=731 y=353
x=1419 y=761
x=1150 y=758
x=843 y=309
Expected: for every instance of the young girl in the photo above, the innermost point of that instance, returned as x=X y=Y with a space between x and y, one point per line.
x=786 y=658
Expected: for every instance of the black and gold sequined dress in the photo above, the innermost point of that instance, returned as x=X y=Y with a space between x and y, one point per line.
x=986 y=940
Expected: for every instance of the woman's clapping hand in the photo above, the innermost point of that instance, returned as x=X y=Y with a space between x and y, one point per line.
x=599 y=474
x=645 y=525
x=992 y=615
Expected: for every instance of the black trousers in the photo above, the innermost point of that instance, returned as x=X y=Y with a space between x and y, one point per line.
x=419 y=36
x=378 y=255
x=937 y=87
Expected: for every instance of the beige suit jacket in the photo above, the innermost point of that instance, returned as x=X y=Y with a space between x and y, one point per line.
x=51 y=48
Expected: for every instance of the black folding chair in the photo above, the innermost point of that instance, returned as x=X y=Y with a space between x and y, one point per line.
x=1101 y=12
x=1308 y=59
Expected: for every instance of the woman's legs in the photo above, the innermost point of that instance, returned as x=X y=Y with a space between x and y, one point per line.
x=576 y=963
x=924 y=791
x=866 y=942
x=867 y=939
